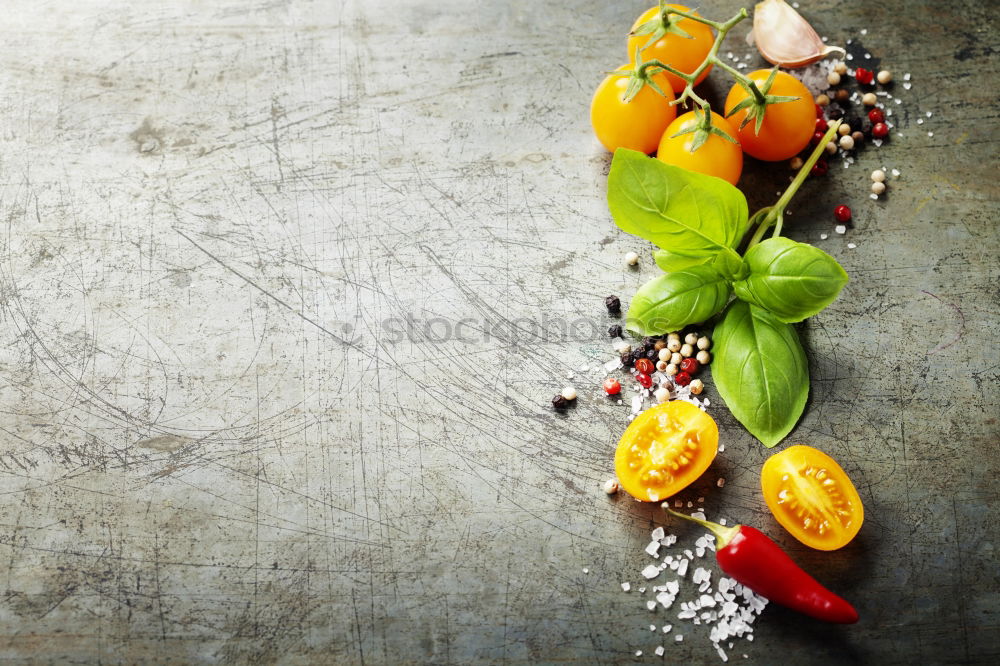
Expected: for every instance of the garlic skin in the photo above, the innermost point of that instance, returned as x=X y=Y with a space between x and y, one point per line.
x=786 y=39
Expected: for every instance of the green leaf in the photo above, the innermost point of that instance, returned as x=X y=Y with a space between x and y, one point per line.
x=669 y=262
x=674 y=300
x=687 y=213
x=730 y=264
x=760 y=371
x=791 y=280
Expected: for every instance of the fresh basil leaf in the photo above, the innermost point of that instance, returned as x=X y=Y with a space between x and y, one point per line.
x=687 y=213
x=760 y=370
x=669 y=262
x=730 y=264
x=674 y=300
x=791 y=280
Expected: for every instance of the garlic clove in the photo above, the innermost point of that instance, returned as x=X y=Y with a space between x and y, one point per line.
x=786 y=39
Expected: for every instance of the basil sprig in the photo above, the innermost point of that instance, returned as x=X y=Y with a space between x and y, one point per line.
x=698 y=222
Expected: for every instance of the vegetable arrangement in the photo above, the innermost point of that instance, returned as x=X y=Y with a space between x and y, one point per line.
x=724 y=265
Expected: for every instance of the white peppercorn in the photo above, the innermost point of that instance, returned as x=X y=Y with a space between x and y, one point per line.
x=833 y=78
x=611 y=486
x=664 y=354
x=691 y=338
x=884 y=77
x=704 y=342
x=661 y=366
x=671 y=369
x=696 y=386
x=631 y=258
x=674 y=345
x=569 y=393
x=687 y=351
x=878 y=175
x=704 y=357
x=878 y=187
x=676 y=358
x=847 y=143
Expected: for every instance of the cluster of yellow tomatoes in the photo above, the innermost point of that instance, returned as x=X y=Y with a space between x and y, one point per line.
x=649 y=122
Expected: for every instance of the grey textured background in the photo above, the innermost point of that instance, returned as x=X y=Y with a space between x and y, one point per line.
x=215 y=444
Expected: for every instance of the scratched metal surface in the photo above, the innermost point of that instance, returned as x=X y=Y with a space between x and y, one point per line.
x=240 y=422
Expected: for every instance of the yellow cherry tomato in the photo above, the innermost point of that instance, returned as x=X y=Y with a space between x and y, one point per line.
x=672 y=49
x=665 y=449
x=716 y=157
x=812 y=497
x=787 y=126
x=636 y=124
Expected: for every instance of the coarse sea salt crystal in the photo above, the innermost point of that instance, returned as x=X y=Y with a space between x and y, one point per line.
x=657 y=534
x=665 y=599
x=874 y=197
x=682 y=567
x=929 y=114
x=851 y=246
x=840 y=229
x=626 y=587
x=679 y=637
x=700 y=515
x=824 y=236
x=653 y=548
x=651 y=605
x=895 y=173
x=651 y=571
x=610 y=366
x=636 y=404
x=658 y=651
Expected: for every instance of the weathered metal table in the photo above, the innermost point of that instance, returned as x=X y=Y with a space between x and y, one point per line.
x=286 y=288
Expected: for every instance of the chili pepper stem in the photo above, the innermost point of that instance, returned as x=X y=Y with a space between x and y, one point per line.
x=723 y=534
x=775 y=213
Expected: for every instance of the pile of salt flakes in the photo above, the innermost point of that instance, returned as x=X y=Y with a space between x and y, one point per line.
x=729 y=610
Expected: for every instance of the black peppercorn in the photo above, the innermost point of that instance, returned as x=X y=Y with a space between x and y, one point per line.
x=647 y=343
x=613 y=304
x=834 y=112
x=615 y=331
x=652 y=354
x=559 y=402
x=627 y=359
x=843 y=96
x=637 y=354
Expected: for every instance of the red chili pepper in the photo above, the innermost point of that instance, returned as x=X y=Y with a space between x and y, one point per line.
x=751 y=558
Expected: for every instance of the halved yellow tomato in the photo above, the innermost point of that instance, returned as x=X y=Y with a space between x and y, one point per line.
x=665 y=449
x=812 y=497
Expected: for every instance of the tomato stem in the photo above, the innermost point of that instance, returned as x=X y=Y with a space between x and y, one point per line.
x=775 y=214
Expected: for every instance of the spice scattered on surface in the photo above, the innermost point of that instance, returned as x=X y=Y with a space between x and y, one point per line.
x=613 y=304
x=631 y=258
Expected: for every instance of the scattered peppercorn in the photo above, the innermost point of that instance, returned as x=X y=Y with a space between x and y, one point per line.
x=559 y=402
x=833 y=78
x=631 y=258
x=659 y=345
x=674 y=344
x=610 y=486
x=840 y=67
x=703 y=357
x=627 y=359
x=637 y=354
x=796 y=163
x=884 y=77
x=822 y=100
x=690 y=366
x=834 y=112
x=644 y=365
x=569 y=393
x=869 y=99
x=842 y=213
x=691 y=339
x=844 y=129
x=880 y=130
x=816 y=138
x=878 y=175
x=819 y=168
x=843 y=96
x=876 y=116
x=613 y=304
x=671 y=369
x=697 y=386
x=652 y=354
x=704 y=342
x=821 y=125
x=864 y=76
x=611 y=386
x=830 y=148
x=859 y=137
x=676 y=358
x=846 y=142
x=878 y=187
x=644 y=380
x=682 y=379
x=661 y=366
x=615 y=331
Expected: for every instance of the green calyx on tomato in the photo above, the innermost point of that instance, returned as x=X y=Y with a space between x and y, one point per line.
x=662 y=23
x=758 y=100
x=703 y=129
